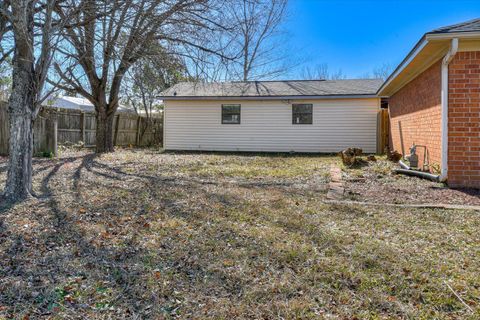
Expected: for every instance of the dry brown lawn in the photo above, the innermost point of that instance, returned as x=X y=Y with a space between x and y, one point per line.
x=143 y=234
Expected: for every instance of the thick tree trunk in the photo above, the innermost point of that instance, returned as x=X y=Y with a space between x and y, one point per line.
x=104 y=134
x=21 y=106
x=19 y=178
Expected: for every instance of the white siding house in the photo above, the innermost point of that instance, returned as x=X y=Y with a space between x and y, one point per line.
x=268 y=124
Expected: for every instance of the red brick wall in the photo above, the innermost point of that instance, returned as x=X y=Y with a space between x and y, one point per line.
x=464 y=120
x=415 y=115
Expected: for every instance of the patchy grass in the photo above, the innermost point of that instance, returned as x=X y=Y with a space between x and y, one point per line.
x=151 y=235
x=261 y=166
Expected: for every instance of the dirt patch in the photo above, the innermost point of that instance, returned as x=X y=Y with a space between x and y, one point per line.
x=375 y=182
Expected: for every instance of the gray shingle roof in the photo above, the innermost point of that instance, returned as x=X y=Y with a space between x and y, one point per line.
x=288 y=88
x=467 y=26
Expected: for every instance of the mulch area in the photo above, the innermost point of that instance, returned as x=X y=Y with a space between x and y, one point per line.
x=376 y=182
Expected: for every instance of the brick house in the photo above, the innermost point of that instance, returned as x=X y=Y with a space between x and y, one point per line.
x=434 y=101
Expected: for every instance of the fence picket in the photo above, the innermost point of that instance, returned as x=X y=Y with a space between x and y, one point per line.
x=64 y=126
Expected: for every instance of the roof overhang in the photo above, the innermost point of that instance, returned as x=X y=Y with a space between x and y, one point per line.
x=227 y=98
x=430 y=49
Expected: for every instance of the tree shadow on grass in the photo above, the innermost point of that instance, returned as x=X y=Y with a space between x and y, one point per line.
x=46 y=266
x=39 y=167
x=94 y=255
x=61 y=253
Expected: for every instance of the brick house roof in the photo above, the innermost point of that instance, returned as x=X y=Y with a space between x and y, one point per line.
x=442 y=37
x=467 y=26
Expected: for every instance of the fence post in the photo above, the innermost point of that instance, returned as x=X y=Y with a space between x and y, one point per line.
x=117 y=122
x=52 y=131
x=137 y=137
x=82 y=128
x=55 y=136
x=379 y=132
x=382 y=130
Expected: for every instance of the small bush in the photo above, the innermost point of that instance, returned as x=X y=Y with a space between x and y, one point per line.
x=45 y=154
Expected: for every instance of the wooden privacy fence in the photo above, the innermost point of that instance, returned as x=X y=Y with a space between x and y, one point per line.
x=43 y=129
x=383 y=130
x=56 y=126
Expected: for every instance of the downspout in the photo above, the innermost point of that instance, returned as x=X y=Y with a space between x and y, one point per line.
x=445 y=62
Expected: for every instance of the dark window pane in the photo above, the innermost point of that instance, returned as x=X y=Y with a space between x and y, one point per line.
x=231 y=109
x=231 y=114
x=231 y=118
x=302 y=108
x=302 y=118
x=302 y=114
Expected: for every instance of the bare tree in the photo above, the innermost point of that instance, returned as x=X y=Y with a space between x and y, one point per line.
x=321 y=72
x=202 y=66
x=380 y=72
x=257 y=36
x=383 y=71
x=5 y=80
x=32 y=26
x=250 y=39
x=112 y=35
x=145 y=81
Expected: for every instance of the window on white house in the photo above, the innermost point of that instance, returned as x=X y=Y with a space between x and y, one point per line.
x=230 y=114
x=302 y=113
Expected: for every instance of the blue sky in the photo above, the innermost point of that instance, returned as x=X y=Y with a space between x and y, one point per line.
x=357 y=36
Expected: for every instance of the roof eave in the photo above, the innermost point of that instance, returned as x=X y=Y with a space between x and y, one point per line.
x=451 y=35
x=411 y=55
x=426 y=38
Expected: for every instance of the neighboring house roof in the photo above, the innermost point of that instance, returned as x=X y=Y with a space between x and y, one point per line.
x=428 y=50
x=274 y=89
x=76 y=103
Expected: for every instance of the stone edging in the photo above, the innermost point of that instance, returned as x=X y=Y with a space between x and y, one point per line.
x=335 y=187
x=420 y=206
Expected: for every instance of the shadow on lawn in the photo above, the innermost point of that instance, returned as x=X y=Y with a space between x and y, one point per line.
x=38 y=169
x=49 y=277
x=49 y=264
x=116 y=241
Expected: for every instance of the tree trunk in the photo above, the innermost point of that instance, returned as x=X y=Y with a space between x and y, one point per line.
x=104 y=132
x=145 y=125
x=20 y=109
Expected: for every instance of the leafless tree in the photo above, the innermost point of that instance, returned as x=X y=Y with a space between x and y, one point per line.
x=380 y=72
x=5 y=80
x=202 y=66
x=321 y=72
x=257 y=35
x=383 y=71
x=114 y=35
x=33 y=28
x=145 y=81
x=6 y=51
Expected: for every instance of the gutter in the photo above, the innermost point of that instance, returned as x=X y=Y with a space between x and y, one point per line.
x=451 y=35
x=411 y=55
x=424 y=175
x=405 y=169
x=428 y=37
x=444 y=122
